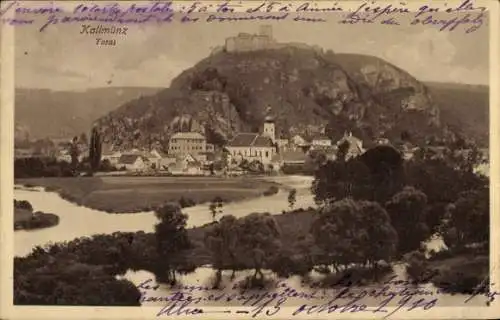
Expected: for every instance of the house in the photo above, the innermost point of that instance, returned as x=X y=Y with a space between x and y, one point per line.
x=20 y=153
x=298 y=141
x=64 y=156
x=282 y=143
x=330 y=152
x=155 y=158
x=186 y=165
x=354 y=145
x=133 y=162
x=290 y=157
x=183 y=143
x=382 y=141
x=321 y=140
x=210 y=148
x=254 y=146
x=159 y=159
x=112 y=156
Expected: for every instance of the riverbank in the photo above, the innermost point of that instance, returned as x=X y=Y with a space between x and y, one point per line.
x=139 y=194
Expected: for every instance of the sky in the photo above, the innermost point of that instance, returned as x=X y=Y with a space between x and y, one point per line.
x=60 y=58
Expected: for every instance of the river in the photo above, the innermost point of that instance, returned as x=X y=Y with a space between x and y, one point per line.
x=77 y=221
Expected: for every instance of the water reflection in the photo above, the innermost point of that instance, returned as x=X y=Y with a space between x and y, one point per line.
x=203 y=277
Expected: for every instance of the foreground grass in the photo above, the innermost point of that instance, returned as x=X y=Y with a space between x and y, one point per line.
x=135 y=194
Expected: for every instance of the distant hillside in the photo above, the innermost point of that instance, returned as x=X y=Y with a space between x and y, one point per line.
x=465 y=108
x=45 y=113
x=306 y=88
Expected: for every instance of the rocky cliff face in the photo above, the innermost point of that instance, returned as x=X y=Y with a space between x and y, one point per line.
x=307 y=89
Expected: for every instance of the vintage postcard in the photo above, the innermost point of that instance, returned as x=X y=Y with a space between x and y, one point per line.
x=249 y=159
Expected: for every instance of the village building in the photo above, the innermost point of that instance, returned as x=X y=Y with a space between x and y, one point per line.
x=158 y=159
x=298 y=141
x=133 y=162
x=254 y=146
x=183 y=143
x=112 y=156
x=355 y=145
x=22 y=153
x=186 y=165
x=382 y=141
x=64 y=156
x=289 y=158
x=210 y=148
x=282 y=143
x=321 y=140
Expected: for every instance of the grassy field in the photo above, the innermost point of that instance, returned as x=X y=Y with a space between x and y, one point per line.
x=133 y=194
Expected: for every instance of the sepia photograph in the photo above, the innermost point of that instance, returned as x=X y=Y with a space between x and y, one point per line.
x=302 y=157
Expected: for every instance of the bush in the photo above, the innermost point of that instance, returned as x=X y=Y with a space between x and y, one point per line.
x=417 y=267
x=255 y=283
x=287 y=263
x=23 y=204
x=38 y=221
x=186 y=202
x=272 y=190
x=354 y=276
x=464 y=276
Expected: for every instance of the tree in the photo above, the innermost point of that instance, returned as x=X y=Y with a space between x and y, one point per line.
x=337 y=180
x=74 y=153
x=407 y=211
x=171 y=241
x=345 y=237
x=467 y=219
x=23 y=204
x=216 y=207
x=417 y=265
x=386 y=171
x=95 y=149
x=84 y=139
x=222 y=240
x=342 y=151
x=382 y=238
x=292 y=198
x=258 y=241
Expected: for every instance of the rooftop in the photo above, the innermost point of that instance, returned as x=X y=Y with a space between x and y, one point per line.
x=291 y=156
x=129 y=158
x=187 y=135
x=250 y=140
x=321 y=137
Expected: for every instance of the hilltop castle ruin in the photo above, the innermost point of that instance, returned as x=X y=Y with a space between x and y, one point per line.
x=250 y=42
x=264 y=40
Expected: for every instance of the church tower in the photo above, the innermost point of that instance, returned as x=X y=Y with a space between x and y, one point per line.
x=269 y=127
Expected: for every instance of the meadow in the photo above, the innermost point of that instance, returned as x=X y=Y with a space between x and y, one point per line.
x=135 y=194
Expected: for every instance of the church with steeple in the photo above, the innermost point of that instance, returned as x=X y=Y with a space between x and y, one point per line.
x=255 y=146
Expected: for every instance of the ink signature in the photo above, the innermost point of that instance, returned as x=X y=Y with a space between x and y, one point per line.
x=388 y=298
x=160 y=12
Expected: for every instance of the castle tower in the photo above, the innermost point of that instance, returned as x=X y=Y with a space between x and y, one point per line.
x=266 y=30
